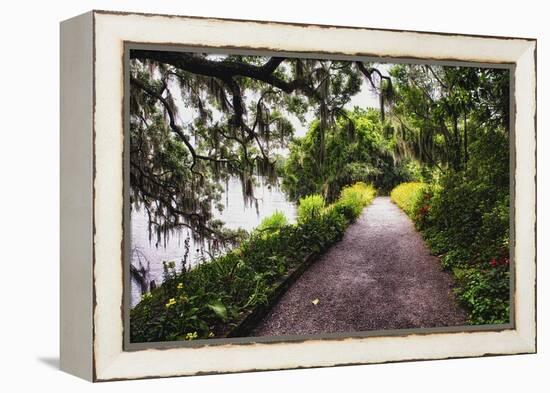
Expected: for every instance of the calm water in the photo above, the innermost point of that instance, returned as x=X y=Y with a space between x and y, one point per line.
x=235 y=215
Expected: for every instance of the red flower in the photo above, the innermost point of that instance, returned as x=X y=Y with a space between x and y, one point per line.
x=493 y=262
x=424 y=209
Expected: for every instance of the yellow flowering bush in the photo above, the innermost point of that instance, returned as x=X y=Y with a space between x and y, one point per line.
x=406 y=195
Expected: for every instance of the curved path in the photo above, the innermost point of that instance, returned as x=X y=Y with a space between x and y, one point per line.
x=380 y=276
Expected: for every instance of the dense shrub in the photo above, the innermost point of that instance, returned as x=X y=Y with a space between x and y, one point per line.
x=353 y=199
x=310 y=207
x=273 y=222
x=485 y=291
x=465 y=220
x=208 y=300
x=472 y=244
x=471 y=229
x=406 y=195
x=356 y=148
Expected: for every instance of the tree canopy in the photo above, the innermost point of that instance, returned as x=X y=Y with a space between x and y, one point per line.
x=357 y=149
x=239 y=117
x=197 y=119
x=438 y=111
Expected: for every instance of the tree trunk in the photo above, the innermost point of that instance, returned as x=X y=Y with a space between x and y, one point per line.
x=465 y=140
x=382 y=113
x=458 y=147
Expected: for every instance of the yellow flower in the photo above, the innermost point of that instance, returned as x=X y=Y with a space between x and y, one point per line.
x=211 y=334
x=146 y=296
x=191 y=336
x=180 y=285
x=170 y=303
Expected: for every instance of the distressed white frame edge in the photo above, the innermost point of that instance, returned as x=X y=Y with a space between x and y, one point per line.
x=76 y=205
x=110 y=33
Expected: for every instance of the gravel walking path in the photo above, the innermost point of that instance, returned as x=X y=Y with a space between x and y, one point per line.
x=380 y=276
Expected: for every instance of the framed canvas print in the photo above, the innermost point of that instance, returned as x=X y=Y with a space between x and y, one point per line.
x=246 y=195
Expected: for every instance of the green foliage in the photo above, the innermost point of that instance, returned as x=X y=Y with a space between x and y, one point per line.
x=406 y=196
x=273 y=222
x=356 y=148
x=353 y=199
x=485 y=293
x=237 y=123
x=310 y=207
x=471 y=207
x=493 y=237
x=209 y=299
x=439 y=111
x=445 y=128
x=219 y=309
x=465 y=219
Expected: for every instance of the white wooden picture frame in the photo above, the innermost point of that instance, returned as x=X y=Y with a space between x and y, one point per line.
x=92 y=151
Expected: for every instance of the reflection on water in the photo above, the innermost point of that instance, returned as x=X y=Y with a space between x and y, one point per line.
x=235 y=215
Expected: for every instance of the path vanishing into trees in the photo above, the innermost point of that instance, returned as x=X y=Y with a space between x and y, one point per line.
x=380 y=276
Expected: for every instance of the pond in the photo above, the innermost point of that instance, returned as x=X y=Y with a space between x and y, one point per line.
x=236 y=214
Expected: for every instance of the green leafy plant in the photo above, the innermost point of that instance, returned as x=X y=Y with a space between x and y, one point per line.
x=353 y=199
x=206 y=301
x=485 y=292
x=406 y=196
x=465 y=220
x=272 y=223
x=357 y=147
x=310 y=207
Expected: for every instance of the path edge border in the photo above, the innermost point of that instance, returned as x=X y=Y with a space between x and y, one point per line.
x=253 y=317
